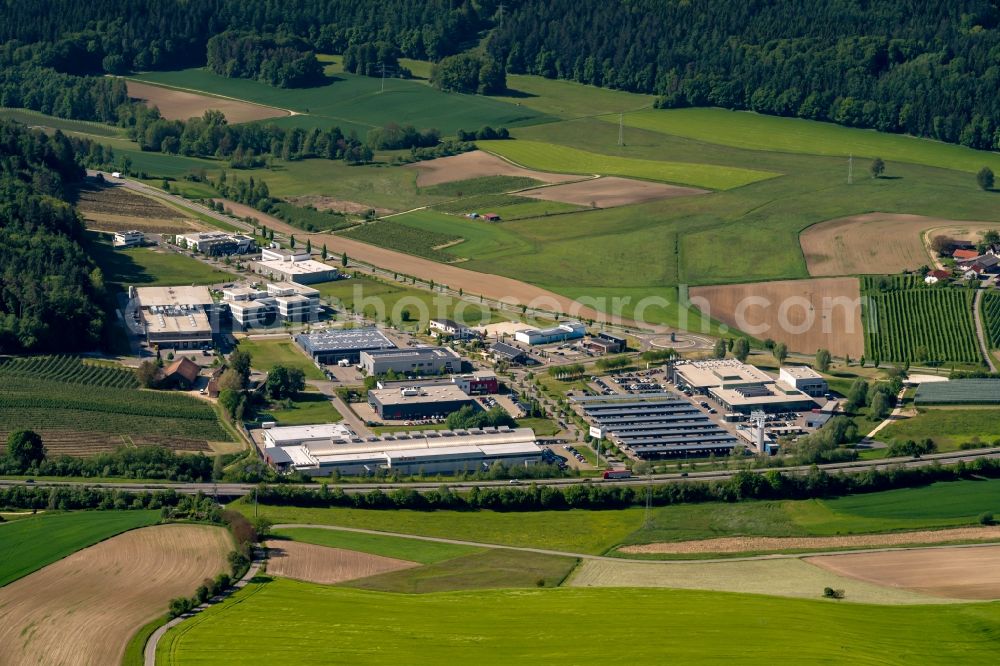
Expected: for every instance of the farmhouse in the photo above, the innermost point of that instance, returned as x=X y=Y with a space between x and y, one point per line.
x=174 y=317
x=293 y=266
x=432 y=452
x=217 y=243
x=803 y=378
x=964 y=255
x=420 y=361
x=346 y=345
x=128 y=238
x=418 y=402
x=653 y=426
x=738 y=387
x=559 y=333
x=986 y=264
x=182 y=374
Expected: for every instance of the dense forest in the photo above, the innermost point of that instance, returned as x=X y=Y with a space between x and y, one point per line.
x=285 y=63
x=49 y=289
x=915 y=66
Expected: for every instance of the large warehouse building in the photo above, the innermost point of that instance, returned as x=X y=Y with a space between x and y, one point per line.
x=418 y=402
x=429 y=452
x=174 y=317
x=738 y=387
x=655 y=425
x=280 y=302
x=293 y=266
x=343 y=344
x=419 y=361
x=571 y=330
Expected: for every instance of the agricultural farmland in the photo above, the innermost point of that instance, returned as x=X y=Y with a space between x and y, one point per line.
x=390 y=235
x=150 y=267
x=29 y=544
x=81 y=409
x=118 y=209
x=477 y=164
x=463 y=627
x=991 y=317
x=84 y=608
x=919 y=324
x=326 y=565
x=177 y=104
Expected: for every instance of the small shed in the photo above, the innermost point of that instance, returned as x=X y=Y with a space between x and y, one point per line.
x=491 y=217
x=182 y=373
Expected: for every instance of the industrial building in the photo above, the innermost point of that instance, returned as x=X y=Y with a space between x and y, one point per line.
x=740 y=388
x=502 y=351
x=805 y=379
x=216 y=243
x=476 y=383
x=430 y=452
x=282 y=301
x=418 y=402
x=653 y=426
x=417 y=361
x=293 y=266
x=129 y=238
x=572 y=330
x=451 y=329
x=307 y=434
x=346 y=344
x=606 y=343
x=174 y=317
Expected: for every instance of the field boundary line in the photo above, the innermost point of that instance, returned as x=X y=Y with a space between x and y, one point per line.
x=203 y=93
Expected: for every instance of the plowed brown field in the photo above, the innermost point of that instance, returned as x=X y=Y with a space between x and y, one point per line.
x=609 y=191
x=820 y=313
x=85 y=608
x=953 y=573
x=477 y=164
x=321 y=564
x=181 y=104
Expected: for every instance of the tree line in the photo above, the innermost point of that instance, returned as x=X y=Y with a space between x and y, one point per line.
x=284 y=62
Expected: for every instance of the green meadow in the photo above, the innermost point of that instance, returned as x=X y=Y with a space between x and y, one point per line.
x=28 y=544
x=269 y=352
x=148 y=267
x=567 y=625
x=948 y=427
x=414 y=550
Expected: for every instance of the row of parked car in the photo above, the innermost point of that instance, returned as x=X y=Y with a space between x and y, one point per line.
x=573 y=452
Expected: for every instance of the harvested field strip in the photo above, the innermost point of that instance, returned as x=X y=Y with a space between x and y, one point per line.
x=610 y=191
x=31 y=543
x=85 y=608
x=508 y=206
x=790 y=577
x=471 y=187
x=414 y=550
x=177 y=104
x=953 y=573
x=804 y=314
x=732 y=545
x=325 y=565
x=476 y=165
x=554 y=157
x=487 y=627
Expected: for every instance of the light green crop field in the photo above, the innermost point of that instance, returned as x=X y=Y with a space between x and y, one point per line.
x=37 y=119
x=949 y=428
x=482 y=240
x=306 y=408
x=568 y=99
x=28 y=544
x=565 y=159
x=744 y=129
x=269 y=352
x=383 y=300
x=148 y=267
x=413 y=550
x=357 y=103
x=549 y=626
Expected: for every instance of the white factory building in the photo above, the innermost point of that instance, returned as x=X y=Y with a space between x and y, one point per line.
x=129 y=238
x=277 y=302
x=293 y=266
x=429 y=451
x=572 y=330
x=173 y=317
x=804 y=379
x=420 y=361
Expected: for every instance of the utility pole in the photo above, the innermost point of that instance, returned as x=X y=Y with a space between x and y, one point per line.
x=383 y=69
x=850 y=169
x=621 y=135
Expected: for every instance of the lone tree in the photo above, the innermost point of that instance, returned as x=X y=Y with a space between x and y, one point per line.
x=741 y=349
x=309 y=245
x=25 y=448
x=780 y=352
x=880 y=406
x=878 y=167
x=343 y=260
x=823 y=360
x=284 y=382
x=323 y=253
x=985 y=178
x=291 y=241
x=720 y=348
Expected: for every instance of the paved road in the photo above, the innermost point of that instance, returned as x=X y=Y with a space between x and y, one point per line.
x=239 y=489
x=984 y=347
x=149 y=651
x=605 y=558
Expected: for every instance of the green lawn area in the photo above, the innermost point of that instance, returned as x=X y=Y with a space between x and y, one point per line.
x=744 y=129
x=414 y=550
x=490 y=569
x=550 y=626
x=28 y=544
x=269 y=352
x=542 y=427
x=306 y=409
x=948 y=427
x=37 y=119
x=571 y=531
x=150 y=267
x=380 y=301
x=560 y=158
x=568 y=99
x=356 y=103
x=481 y=240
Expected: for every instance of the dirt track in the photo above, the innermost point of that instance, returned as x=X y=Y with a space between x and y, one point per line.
x=772 y=544
x=878 y=242
x=477 y=164
x=953 y=573
x=494 y=287
x=804 y=314
x=181 y=105
x=610 y=191
x=320 y=564
x=85 y=608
